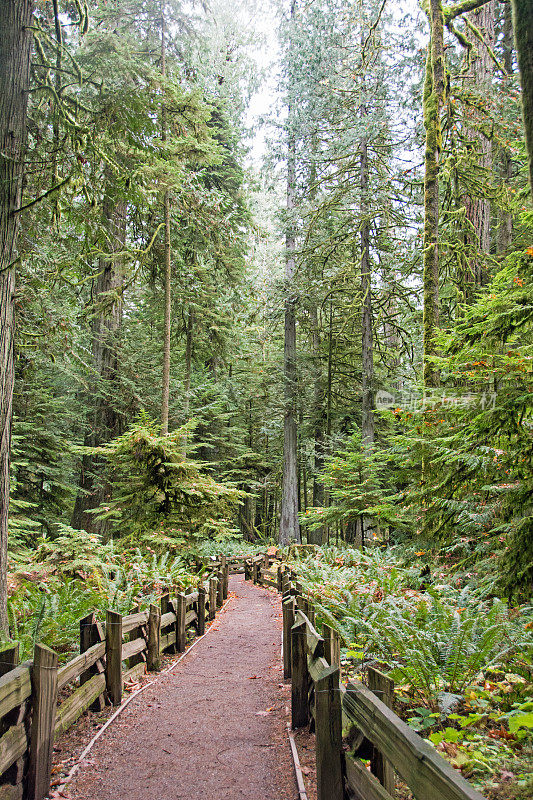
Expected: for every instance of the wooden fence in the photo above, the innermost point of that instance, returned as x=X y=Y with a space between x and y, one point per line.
x=376 y=734
x=40 y=700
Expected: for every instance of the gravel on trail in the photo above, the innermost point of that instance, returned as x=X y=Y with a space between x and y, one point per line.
x=213 y=728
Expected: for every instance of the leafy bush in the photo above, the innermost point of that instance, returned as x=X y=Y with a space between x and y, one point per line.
x=433 y=640
x=155 y=486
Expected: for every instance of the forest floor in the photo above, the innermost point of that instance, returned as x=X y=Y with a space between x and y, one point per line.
x=212 y=728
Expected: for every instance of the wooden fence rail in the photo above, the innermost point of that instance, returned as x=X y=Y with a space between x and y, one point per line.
x=33 y=707
x=312 y=661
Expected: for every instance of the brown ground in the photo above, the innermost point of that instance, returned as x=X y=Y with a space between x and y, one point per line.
x=214 y=728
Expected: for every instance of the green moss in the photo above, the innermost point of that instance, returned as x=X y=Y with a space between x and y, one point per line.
x=523 y=30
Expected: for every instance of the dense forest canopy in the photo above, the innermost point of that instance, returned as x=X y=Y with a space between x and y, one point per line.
x=327 y=339
x=265 y=279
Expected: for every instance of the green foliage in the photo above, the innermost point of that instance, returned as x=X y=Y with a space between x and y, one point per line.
x=359 y=479
x=59 y=587
x=154 y=485
x=434 y=640
x=72 y=552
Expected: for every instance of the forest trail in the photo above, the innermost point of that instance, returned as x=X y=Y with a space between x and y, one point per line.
x=213 y=728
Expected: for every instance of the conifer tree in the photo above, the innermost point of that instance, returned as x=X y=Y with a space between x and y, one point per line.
x=523 y=29
x=15 y=56
x=289 y=524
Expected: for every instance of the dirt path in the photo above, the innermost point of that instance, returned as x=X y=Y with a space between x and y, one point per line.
x=211 y=729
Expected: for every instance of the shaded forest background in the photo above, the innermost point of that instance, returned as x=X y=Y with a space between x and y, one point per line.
x=336 y=344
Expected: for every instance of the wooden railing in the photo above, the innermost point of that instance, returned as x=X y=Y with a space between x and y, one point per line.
x=312 y=661
x=39 y=700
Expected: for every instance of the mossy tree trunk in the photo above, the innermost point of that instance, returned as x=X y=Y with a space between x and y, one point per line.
x=523 y=31
x=167 y=268
x=505 y=221
x=15 y=56
x=434 y=91
x=367 y=344
x=478 y=207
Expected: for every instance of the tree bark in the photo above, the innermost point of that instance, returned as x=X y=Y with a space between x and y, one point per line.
x=165 y=389
x=505 y=222
x=523 y=31
x=188 y=368
x=367 y=349
x=289 y=529
x=15 y=56
x=434 y=88
x=104 y=420
x=316 y=536
x=477 y=207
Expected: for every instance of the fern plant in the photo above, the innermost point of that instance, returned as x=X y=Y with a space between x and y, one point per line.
x=434 y=641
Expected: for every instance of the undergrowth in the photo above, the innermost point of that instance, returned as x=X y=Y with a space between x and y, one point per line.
x=461 y=660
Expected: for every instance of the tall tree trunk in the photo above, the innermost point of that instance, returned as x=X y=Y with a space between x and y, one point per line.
x=478 y=208
x=433 y=100
x=188 y=368
x=319 y=419
x=505 y=226
x=289 y=529
x=55 y=125
x=367 y=421
x=367 y=349
x=15 y=55
x=165 y=389
x=104 y=420
x=523 y=31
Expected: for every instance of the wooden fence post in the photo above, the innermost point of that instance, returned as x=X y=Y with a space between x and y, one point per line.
x=280 y=578
x=212 y=597
x=332 y=646
x=44 y=680
x=220 y=588
x=255 y=571
x=247 y=570
x=328 y=732
x=113 y=656
x=200 y=628
x=224 y=568
x=137 y=633
x=288 y=622
x=181 y=634
x=168 y=605
x=91 y=632
x=300 y=676
x=153 y=658
x=383 y=687
x=9 y=657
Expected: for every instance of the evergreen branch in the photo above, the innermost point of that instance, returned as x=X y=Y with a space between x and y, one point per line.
x=43 y=196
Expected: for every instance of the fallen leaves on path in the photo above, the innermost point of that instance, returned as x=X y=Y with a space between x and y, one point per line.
x=264 y=713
